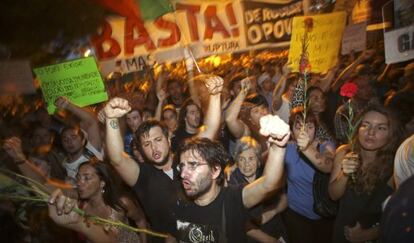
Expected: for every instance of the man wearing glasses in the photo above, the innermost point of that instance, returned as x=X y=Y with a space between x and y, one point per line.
x=155 y=183
x=213 y=213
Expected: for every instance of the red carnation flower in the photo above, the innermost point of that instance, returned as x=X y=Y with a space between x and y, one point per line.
x=349 y=89
x=308 y=24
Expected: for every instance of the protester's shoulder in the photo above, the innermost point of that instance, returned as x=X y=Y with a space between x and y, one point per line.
x=233 y=192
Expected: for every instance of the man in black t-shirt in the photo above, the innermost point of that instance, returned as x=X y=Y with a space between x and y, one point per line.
x=155 y=182
x=214 y=213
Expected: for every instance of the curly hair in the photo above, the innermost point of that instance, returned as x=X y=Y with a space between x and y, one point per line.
x=371 y=174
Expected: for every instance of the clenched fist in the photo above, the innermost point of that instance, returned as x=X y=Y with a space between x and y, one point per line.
x=116 y=107
x=214 y=85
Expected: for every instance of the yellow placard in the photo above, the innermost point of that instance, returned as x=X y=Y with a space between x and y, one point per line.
x=324 y=40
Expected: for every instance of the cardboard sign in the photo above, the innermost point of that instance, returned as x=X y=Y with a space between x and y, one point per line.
x=270 y=23
x=324 y=40
x=399 y=45
x=79 y=80
x=355 y=38
x=16 y=78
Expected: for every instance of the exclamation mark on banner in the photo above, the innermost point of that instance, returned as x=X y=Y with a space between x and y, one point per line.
x=232 y=19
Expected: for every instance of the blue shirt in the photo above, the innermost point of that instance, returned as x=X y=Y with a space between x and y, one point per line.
x=299 y=183
x=129 y=136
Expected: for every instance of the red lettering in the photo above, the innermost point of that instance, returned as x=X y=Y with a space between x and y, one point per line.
x=191 y=10
x=132 y=24
x=175 y=35
x=105 y=37
x=232 y=18
x=213 y=23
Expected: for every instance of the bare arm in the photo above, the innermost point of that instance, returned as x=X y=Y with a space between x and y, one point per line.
x=136 y=213
x=161 y=95
x=61 y=212
x=269 y=213
x=348 y=70
x=343 y=166
x=279 y=89
x=88 y=121
x=235 y=125
x=384 y=74
x=326 y=82
x=13 y=147
x=256 y=191
x=322 y=162
x=191 y=86
x=125 y=165
x=213 y=116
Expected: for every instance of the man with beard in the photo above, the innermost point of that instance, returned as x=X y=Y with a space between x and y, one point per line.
x=82 y=142
x=216 y=213
x=155 y=183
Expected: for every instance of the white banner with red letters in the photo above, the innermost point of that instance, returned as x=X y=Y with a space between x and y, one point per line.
x=206 y=27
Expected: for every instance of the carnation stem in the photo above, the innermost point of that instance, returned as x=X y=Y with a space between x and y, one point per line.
x=43 y=198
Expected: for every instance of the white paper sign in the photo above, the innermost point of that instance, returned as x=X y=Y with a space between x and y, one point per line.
x=399 y=45
x=355 y=38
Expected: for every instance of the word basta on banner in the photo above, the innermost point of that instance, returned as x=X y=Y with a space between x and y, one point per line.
x=205 y=27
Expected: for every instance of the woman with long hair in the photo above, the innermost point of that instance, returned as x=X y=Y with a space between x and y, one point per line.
x=99 y=196
x=361 y=179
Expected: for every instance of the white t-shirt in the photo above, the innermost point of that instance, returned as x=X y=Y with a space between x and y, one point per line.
x=89 y=151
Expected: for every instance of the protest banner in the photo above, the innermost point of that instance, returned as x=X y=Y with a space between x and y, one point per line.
x=355 y=38
x=270 y=24
x=79 y=80
x=399 y=45
x=204 y=27
x=207 y=27
x=323 y=41
x=16 y=78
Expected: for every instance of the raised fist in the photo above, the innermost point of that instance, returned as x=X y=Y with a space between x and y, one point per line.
x=13 y=147
x=161 y=95
x=214 y=84
x=116 y=107
x=245 y=85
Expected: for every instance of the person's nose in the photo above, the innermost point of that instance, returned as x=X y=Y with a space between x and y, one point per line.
x=153 y=147
x=371 y=131
x=184 y=172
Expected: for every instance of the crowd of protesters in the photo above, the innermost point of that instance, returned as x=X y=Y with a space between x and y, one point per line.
x=183 y=153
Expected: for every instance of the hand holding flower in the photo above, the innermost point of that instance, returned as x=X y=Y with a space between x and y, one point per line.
x=303 y=140
x=350 y=163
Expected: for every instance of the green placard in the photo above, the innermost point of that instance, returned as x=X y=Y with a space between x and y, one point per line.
x=79 y=80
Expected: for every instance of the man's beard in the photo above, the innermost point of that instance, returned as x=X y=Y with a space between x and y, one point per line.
x=164 y=161
x=204 y=187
